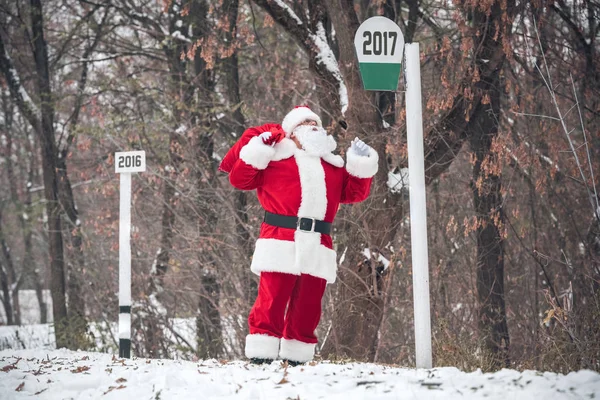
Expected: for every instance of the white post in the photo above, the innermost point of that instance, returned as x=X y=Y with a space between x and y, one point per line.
x=418 y=206
x=125 y=265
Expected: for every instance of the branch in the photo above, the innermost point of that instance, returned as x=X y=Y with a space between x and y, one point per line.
x=454 y=126
x=26 y=105
x=74 y=119
x=286 y=17
x=593 y=197
x=567 y=18
x=313 y=42
x=69 y=39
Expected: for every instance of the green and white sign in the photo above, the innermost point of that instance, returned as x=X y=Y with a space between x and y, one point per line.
x=379 y=45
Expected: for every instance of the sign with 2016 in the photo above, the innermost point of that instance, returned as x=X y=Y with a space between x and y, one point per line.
x=130 y=161
x=379 y=46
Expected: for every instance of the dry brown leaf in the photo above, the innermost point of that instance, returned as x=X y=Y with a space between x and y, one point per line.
x=8 y=367
x=20 y=387
x=80 y=369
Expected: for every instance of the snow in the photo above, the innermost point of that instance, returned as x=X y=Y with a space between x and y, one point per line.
x=327 y=58
x=65 y=374
x=397 y=181
x=22 y=91
x=179 y=35
x=380 y=258
x=31 y=367
x=289 y=11
x=29 y=306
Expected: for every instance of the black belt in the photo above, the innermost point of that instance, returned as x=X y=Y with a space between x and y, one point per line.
x=304 y=224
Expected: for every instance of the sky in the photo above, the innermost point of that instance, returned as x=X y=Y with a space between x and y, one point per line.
x=42 y=372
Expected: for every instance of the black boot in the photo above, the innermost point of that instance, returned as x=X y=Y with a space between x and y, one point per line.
x=260 y=361
x=292 y=363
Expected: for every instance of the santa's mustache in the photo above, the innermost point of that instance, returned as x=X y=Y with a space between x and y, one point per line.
x=314 y=140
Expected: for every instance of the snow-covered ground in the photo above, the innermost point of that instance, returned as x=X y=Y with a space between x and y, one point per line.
x=31 y=367
x=64 y=374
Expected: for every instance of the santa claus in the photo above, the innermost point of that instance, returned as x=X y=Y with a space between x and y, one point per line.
x=300 y=183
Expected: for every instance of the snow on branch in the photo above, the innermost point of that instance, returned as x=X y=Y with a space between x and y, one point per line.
x=22 y=98
x=314 y=43
x=326 y=57
x=288 y=11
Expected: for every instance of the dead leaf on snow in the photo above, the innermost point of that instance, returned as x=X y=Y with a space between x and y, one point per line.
x=111 y=388
x=8 y=367
x=81 y=368
x=282 y=381
x=20 y=387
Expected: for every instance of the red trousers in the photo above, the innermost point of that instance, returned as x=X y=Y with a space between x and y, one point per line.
x=269 y=321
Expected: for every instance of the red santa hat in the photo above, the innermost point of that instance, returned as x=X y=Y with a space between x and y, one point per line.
x=298 y=115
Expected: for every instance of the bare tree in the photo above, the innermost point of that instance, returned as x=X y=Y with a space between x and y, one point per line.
x=42 y=121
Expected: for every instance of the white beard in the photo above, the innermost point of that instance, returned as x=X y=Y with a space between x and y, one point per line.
x=315 y=140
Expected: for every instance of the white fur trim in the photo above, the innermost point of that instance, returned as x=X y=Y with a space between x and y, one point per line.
x=274 y=255
x=296 y=350
x=313 y=203
x=262 y=346
x=361 y=166
x=256 y=153
x=284 y=149
x=305 y=254
x=296 y=117
x=322 y=262
x=334 y=159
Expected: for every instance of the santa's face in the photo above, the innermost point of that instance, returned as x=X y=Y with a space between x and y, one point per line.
x=314 y=139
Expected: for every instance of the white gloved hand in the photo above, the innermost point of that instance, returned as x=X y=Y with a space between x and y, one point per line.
x=359 y=147
x=265 y=136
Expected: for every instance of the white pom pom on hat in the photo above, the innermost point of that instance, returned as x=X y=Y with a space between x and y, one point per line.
x=298 y=115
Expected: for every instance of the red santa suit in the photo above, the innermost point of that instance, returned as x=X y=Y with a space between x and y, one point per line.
x=294 y=265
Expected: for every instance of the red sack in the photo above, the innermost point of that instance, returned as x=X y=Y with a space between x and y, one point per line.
x=234 y=153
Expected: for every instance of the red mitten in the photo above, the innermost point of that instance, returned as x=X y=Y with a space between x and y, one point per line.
x=234 y=153
x=278 y=135
x=273 y=137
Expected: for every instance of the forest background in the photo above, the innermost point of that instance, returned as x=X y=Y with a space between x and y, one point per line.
x=511 y=100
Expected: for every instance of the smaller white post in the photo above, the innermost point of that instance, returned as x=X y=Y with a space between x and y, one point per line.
x=125 y=265
x=418 y=206
x=125 y=164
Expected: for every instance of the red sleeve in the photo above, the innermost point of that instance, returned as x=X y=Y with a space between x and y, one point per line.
x=233 y=154
x=355 y=189
x=244 y=176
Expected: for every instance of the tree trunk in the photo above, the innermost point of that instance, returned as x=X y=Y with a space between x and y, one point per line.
x=238 y=125
x=76 y=268
x=487 y=198
x=49 y=154
x=6 y=303
x=24 y=212
x=11 y=282
x=208 y=321
x=360 y=296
